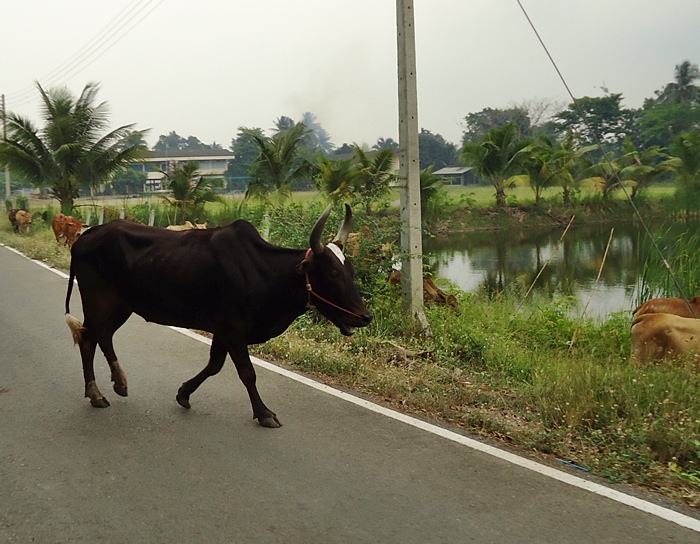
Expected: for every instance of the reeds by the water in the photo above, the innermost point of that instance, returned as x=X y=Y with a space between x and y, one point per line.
x=677 y=265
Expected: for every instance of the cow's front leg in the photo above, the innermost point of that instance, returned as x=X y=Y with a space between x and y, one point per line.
x=217 y=356
x=246 y=372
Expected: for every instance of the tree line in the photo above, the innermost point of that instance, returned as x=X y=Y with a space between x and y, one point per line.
x=593 y=142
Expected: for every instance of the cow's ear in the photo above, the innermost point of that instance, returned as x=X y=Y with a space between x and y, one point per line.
x=304 y=266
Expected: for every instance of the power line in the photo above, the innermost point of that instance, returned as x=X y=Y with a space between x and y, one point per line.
x=599 y=144
x=120 y=26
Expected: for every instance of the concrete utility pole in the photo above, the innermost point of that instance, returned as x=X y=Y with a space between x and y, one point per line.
x=8 y=187
x=409 y=169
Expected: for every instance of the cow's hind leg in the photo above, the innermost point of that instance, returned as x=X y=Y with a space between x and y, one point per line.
x=87 y=354
x=103 y=314
x=118 y=318
x=246 y=372
x=217 y=356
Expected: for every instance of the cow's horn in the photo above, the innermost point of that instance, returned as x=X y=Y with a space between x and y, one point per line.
x=345 y=227
x=315 y=242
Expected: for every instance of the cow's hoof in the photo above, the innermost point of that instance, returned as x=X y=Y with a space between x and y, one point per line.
x=99 y=403
x=183 y=401
x=270 y=422
x=121 y=390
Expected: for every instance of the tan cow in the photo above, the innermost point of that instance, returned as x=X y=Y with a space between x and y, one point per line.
x=655 y=337
x=57 y=226
x=431 y=292
x=185 y=226
x=72 y=227
x=23 y=220
x=676 y=306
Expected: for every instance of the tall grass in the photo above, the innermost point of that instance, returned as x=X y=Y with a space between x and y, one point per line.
x=677 y=249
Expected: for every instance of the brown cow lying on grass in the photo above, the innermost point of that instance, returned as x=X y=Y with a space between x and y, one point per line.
x=655 y=337
x=676 y=306
x=187 y=225
x=431 y=292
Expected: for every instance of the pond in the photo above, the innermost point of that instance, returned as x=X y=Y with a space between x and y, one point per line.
x=496 y=260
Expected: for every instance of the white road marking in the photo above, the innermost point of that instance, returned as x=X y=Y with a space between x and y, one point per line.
x=581 y=483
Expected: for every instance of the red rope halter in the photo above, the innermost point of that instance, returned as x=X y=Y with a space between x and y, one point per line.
x=314 y=293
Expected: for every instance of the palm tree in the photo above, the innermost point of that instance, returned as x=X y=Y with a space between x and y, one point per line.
x=682 y=90
x=335 y=178
x=604 y=175
x=190 y=189
x=685 y=153
x=70 y=152
x=278 y=164
x=373 y=175
x=430 y=186
x=318 y=138
x=642 y=167
x=497 y=158
x=576 y=161
x=386 y=143
x=545 y=167
x=685 y=161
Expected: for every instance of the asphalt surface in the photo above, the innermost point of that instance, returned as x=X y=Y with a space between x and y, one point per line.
x=146 y=470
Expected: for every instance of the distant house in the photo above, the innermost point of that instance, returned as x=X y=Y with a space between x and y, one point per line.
x=212 y=163
x=457 y=175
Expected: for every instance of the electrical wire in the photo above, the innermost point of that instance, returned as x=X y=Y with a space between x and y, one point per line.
x=606 y=158
x=120 y=26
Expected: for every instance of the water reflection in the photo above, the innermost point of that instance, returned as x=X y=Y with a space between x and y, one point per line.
x=495 y=260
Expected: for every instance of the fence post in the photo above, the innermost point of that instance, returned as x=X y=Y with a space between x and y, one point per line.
x=266 y=227
x=152 y=218
x=102 y=215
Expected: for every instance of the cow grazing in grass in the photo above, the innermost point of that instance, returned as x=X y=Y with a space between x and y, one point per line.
x=227 y=281
x=12 y=216
x=23 y=221
x=659 y=336
x=676 y=306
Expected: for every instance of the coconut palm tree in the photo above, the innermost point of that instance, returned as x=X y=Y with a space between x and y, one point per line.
x=278 y=164
x=335 y=178
x=190 y=190
x=386 y=143
x=374 y=175
x=497 y=158
x=430 y=186
x=545 y=167
x=318 y=138
x=576 y=161
x=682 y=90
x=642 y=167
x=71 y=151
x=685 y=153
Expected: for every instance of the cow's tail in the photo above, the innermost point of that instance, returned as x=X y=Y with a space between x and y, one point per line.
x=74 y=324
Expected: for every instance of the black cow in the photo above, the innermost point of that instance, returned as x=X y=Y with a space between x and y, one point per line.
x=227 y=281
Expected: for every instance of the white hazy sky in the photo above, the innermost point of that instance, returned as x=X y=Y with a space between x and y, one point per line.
x=206 y=67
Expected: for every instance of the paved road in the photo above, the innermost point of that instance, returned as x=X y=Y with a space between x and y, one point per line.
x=145 y=470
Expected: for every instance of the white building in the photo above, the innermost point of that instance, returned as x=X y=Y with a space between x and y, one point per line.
x=212 y=163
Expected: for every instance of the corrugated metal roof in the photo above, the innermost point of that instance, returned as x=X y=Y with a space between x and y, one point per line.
x=452 y=170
